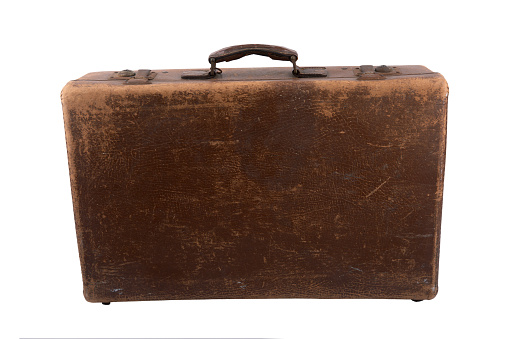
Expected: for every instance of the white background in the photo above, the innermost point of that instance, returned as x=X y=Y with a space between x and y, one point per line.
x=47 y=43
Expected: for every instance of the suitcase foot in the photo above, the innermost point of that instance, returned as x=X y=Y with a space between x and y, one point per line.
x=414 y=300
x=106 y=303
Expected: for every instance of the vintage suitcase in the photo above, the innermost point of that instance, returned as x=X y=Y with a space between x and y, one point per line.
x=288 y=182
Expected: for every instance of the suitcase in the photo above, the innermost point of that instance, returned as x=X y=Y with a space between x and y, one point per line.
x=285 y=182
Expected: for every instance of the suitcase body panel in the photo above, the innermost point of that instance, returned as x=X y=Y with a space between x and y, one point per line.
x=258 y=185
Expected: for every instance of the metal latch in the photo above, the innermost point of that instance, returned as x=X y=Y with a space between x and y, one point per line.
x=369 y=72
x=140 y=77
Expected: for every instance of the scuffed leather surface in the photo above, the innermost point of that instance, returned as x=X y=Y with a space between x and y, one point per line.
x=315 y=188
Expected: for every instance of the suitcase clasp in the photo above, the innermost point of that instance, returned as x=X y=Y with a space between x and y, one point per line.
x=140 y=77
x=369 y=72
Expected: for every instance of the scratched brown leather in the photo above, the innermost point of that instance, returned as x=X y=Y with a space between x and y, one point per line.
x=257 y=184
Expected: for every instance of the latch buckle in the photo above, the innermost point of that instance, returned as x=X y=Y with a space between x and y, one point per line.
x=140 y=77
x=369 y=72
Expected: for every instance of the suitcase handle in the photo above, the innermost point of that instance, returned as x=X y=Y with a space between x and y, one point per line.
x=239 y=51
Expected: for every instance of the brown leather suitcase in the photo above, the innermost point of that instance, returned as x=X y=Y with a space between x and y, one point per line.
x=288 y=182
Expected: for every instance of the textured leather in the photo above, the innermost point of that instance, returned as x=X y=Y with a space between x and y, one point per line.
x=278 y=188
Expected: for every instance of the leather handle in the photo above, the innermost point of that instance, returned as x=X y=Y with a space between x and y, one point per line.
x=239 y=51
